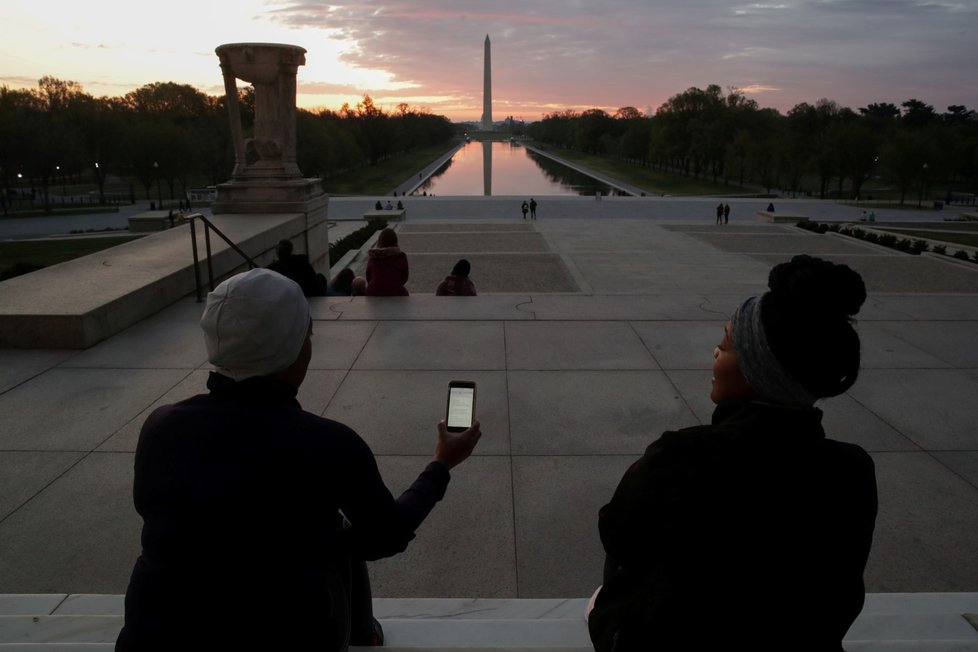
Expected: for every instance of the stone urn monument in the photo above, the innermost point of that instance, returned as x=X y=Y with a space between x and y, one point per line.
x=266 y=178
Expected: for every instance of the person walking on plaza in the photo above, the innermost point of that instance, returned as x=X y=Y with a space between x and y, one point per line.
x=726 y=213
x=257 y=515
x=719 y=212
x=525 y=207
x=756 y=517
x=533 y=209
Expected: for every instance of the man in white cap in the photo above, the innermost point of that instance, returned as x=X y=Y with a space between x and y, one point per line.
x=257 y=515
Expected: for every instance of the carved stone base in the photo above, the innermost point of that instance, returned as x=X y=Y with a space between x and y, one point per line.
x=270 y=196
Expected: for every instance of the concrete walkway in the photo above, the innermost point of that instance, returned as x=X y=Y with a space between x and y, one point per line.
x=589 y=338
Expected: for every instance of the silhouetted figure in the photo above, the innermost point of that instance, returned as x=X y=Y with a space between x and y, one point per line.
x=342 y=284
x=400 y=206
x=734 y=512
x=378 y=206
x=524 y=207
x=298 y=268
x=533 y=209
x=257 y=515
x=770 y=208
x=719 y=212
x=726 y=213
x=457 y=284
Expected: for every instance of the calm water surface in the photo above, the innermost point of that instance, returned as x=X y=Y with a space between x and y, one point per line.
x=502 y=168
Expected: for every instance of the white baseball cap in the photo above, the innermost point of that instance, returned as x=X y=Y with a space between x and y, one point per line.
x=255 y=324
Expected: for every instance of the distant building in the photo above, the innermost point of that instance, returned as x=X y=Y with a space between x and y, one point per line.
x=202 y=194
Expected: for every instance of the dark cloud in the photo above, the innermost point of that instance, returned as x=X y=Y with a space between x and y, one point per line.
x=572 y=53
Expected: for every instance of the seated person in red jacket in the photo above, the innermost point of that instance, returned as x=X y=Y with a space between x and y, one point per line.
x=387 y=267
x=257 y=515
x=753 y=531
x=457 y=284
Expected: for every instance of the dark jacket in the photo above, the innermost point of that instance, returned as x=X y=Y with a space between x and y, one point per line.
x=752 y=532
x=456 y=286
x=239 y=491
x=298 y=268
x=387 y=272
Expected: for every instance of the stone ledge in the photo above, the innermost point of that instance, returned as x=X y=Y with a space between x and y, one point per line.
x=890 y=622
x=778 y=218
x=152 y=221
x=77 y=303
x=392 y=215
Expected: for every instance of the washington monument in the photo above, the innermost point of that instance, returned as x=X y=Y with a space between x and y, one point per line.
x=487 y=90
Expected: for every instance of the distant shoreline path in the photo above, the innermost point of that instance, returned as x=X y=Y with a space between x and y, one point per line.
x=412 y=184
x=603 y=178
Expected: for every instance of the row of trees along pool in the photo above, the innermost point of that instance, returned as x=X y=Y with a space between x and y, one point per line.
x=56 y=138
x=822 y=149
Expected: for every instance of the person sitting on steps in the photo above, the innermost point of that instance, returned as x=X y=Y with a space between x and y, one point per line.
x=257 y=515
x=387 y=267
x=458 y=283
x=755 y=518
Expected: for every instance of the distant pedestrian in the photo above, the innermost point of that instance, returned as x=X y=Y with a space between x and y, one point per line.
x=525 y=207
x=726 y=213
x=719 y=213
x=533 y=209
x=770 y=207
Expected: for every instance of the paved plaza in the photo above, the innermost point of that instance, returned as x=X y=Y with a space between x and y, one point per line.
x=593 y=333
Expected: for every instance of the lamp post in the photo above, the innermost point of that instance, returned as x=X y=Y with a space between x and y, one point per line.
x=923 y=185
x=159 y=189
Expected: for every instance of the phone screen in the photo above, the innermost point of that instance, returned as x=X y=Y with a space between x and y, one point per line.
x=461 y=401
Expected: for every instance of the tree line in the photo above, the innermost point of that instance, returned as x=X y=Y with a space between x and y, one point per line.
x=818 y=149
x=172 y=136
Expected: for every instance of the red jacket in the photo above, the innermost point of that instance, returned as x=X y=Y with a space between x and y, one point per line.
x=387 y=272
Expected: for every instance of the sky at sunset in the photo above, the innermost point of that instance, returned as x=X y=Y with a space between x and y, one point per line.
x=547 y=55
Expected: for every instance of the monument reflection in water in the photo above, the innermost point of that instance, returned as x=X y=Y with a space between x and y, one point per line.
x=502 y=168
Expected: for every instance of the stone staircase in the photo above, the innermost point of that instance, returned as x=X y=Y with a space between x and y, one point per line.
x=890 y=622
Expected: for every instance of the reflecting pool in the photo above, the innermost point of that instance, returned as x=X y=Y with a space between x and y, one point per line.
x=502 y=168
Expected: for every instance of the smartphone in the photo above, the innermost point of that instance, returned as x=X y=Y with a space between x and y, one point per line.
x=461 y=405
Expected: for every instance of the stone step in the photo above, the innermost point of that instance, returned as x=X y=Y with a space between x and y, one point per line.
x=924 y=622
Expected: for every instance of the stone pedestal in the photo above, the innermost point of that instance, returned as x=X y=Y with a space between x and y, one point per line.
x=266 y=178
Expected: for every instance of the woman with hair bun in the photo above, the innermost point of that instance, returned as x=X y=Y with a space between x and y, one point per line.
x=752 y=531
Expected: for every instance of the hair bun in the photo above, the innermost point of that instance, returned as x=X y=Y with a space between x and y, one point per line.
x=819 y=284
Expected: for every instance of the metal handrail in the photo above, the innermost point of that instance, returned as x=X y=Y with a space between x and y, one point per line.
x=208 y=226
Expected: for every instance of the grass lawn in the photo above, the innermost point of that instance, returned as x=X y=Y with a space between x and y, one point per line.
x=652 y=181
x=381 y=179
x=28 y=255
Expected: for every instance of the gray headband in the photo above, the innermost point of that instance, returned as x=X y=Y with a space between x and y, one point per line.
x=757 y=362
